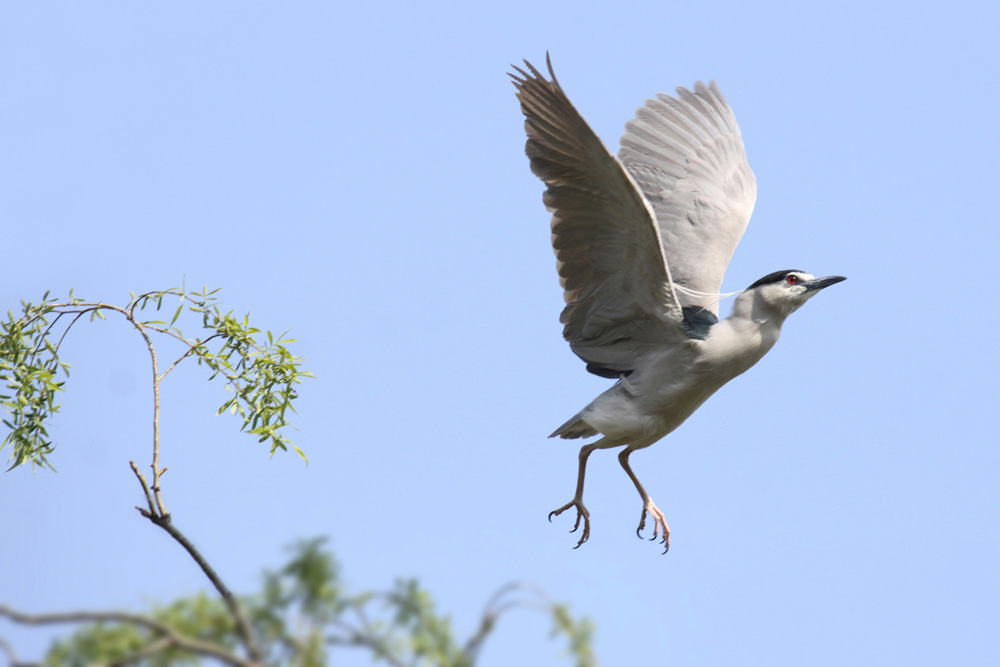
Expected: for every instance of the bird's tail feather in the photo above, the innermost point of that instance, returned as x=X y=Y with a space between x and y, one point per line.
x=575 y=428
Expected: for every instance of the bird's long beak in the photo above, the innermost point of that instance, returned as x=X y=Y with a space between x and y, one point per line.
x=820 y=283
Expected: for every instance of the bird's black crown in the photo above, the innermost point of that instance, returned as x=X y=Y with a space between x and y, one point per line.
x=775 y=277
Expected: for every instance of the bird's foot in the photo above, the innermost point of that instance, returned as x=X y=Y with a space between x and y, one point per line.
x=581 y=514
x=659 y=521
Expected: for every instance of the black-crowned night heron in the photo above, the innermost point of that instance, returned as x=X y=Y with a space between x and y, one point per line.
x=642 y=243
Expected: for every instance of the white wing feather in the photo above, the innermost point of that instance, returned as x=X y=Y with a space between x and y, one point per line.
x=687 y=156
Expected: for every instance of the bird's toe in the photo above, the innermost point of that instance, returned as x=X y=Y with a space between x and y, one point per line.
x=582 y=515
x=659 y=523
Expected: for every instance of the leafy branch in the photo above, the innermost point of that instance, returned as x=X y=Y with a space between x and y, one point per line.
x=258 y=369
x=29 y=372
x=261 y=376
x=304 y=611
x=302 y=615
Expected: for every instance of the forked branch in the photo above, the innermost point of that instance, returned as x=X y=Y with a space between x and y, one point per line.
x=261 y=377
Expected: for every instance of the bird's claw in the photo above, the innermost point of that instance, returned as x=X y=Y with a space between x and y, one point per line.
x=581 y=513
x=658 y=521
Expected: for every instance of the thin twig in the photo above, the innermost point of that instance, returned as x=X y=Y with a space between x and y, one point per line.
x=75 y=308
x=367 y=635
x=496 y=607
x=192 y=348
x=155 y=486
x=359 y=639
x=136 y=300
x=177 y=639
x=145 y=487
x=156 y=423
x=152 y=648
x=153 y=327
x=66 y=331
x=45 y=334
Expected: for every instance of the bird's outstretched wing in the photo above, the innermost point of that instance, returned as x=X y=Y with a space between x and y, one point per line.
x=615 y=279
x=687 y=156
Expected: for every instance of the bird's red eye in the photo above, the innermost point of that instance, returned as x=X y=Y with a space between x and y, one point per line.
x=792 y=279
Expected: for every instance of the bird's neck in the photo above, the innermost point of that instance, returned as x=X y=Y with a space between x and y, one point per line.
x=742 y=339
x=755 y=322
x=752 y=309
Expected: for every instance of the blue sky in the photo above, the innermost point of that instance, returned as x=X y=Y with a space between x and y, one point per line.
x=355 y=172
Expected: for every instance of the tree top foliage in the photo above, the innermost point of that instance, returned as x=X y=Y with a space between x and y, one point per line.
x=258 y=369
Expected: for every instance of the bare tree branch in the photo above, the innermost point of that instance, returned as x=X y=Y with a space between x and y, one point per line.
x=499 y=604
x=235 y=608
x=161 y=508
x=145 y=487
x=175 y=638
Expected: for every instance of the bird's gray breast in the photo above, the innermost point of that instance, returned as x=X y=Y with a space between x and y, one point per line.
x=733 y=346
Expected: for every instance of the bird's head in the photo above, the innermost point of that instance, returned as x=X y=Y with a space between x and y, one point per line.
x=786 y=291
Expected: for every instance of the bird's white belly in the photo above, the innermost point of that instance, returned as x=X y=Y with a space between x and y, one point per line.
x=641 y=420
x=665 y=391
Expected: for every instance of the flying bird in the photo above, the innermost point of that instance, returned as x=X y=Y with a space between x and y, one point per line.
x=642 y=242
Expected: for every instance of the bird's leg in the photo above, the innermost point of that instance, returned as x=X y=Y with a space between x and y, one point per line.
x=577 y=502
x=648 y=506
